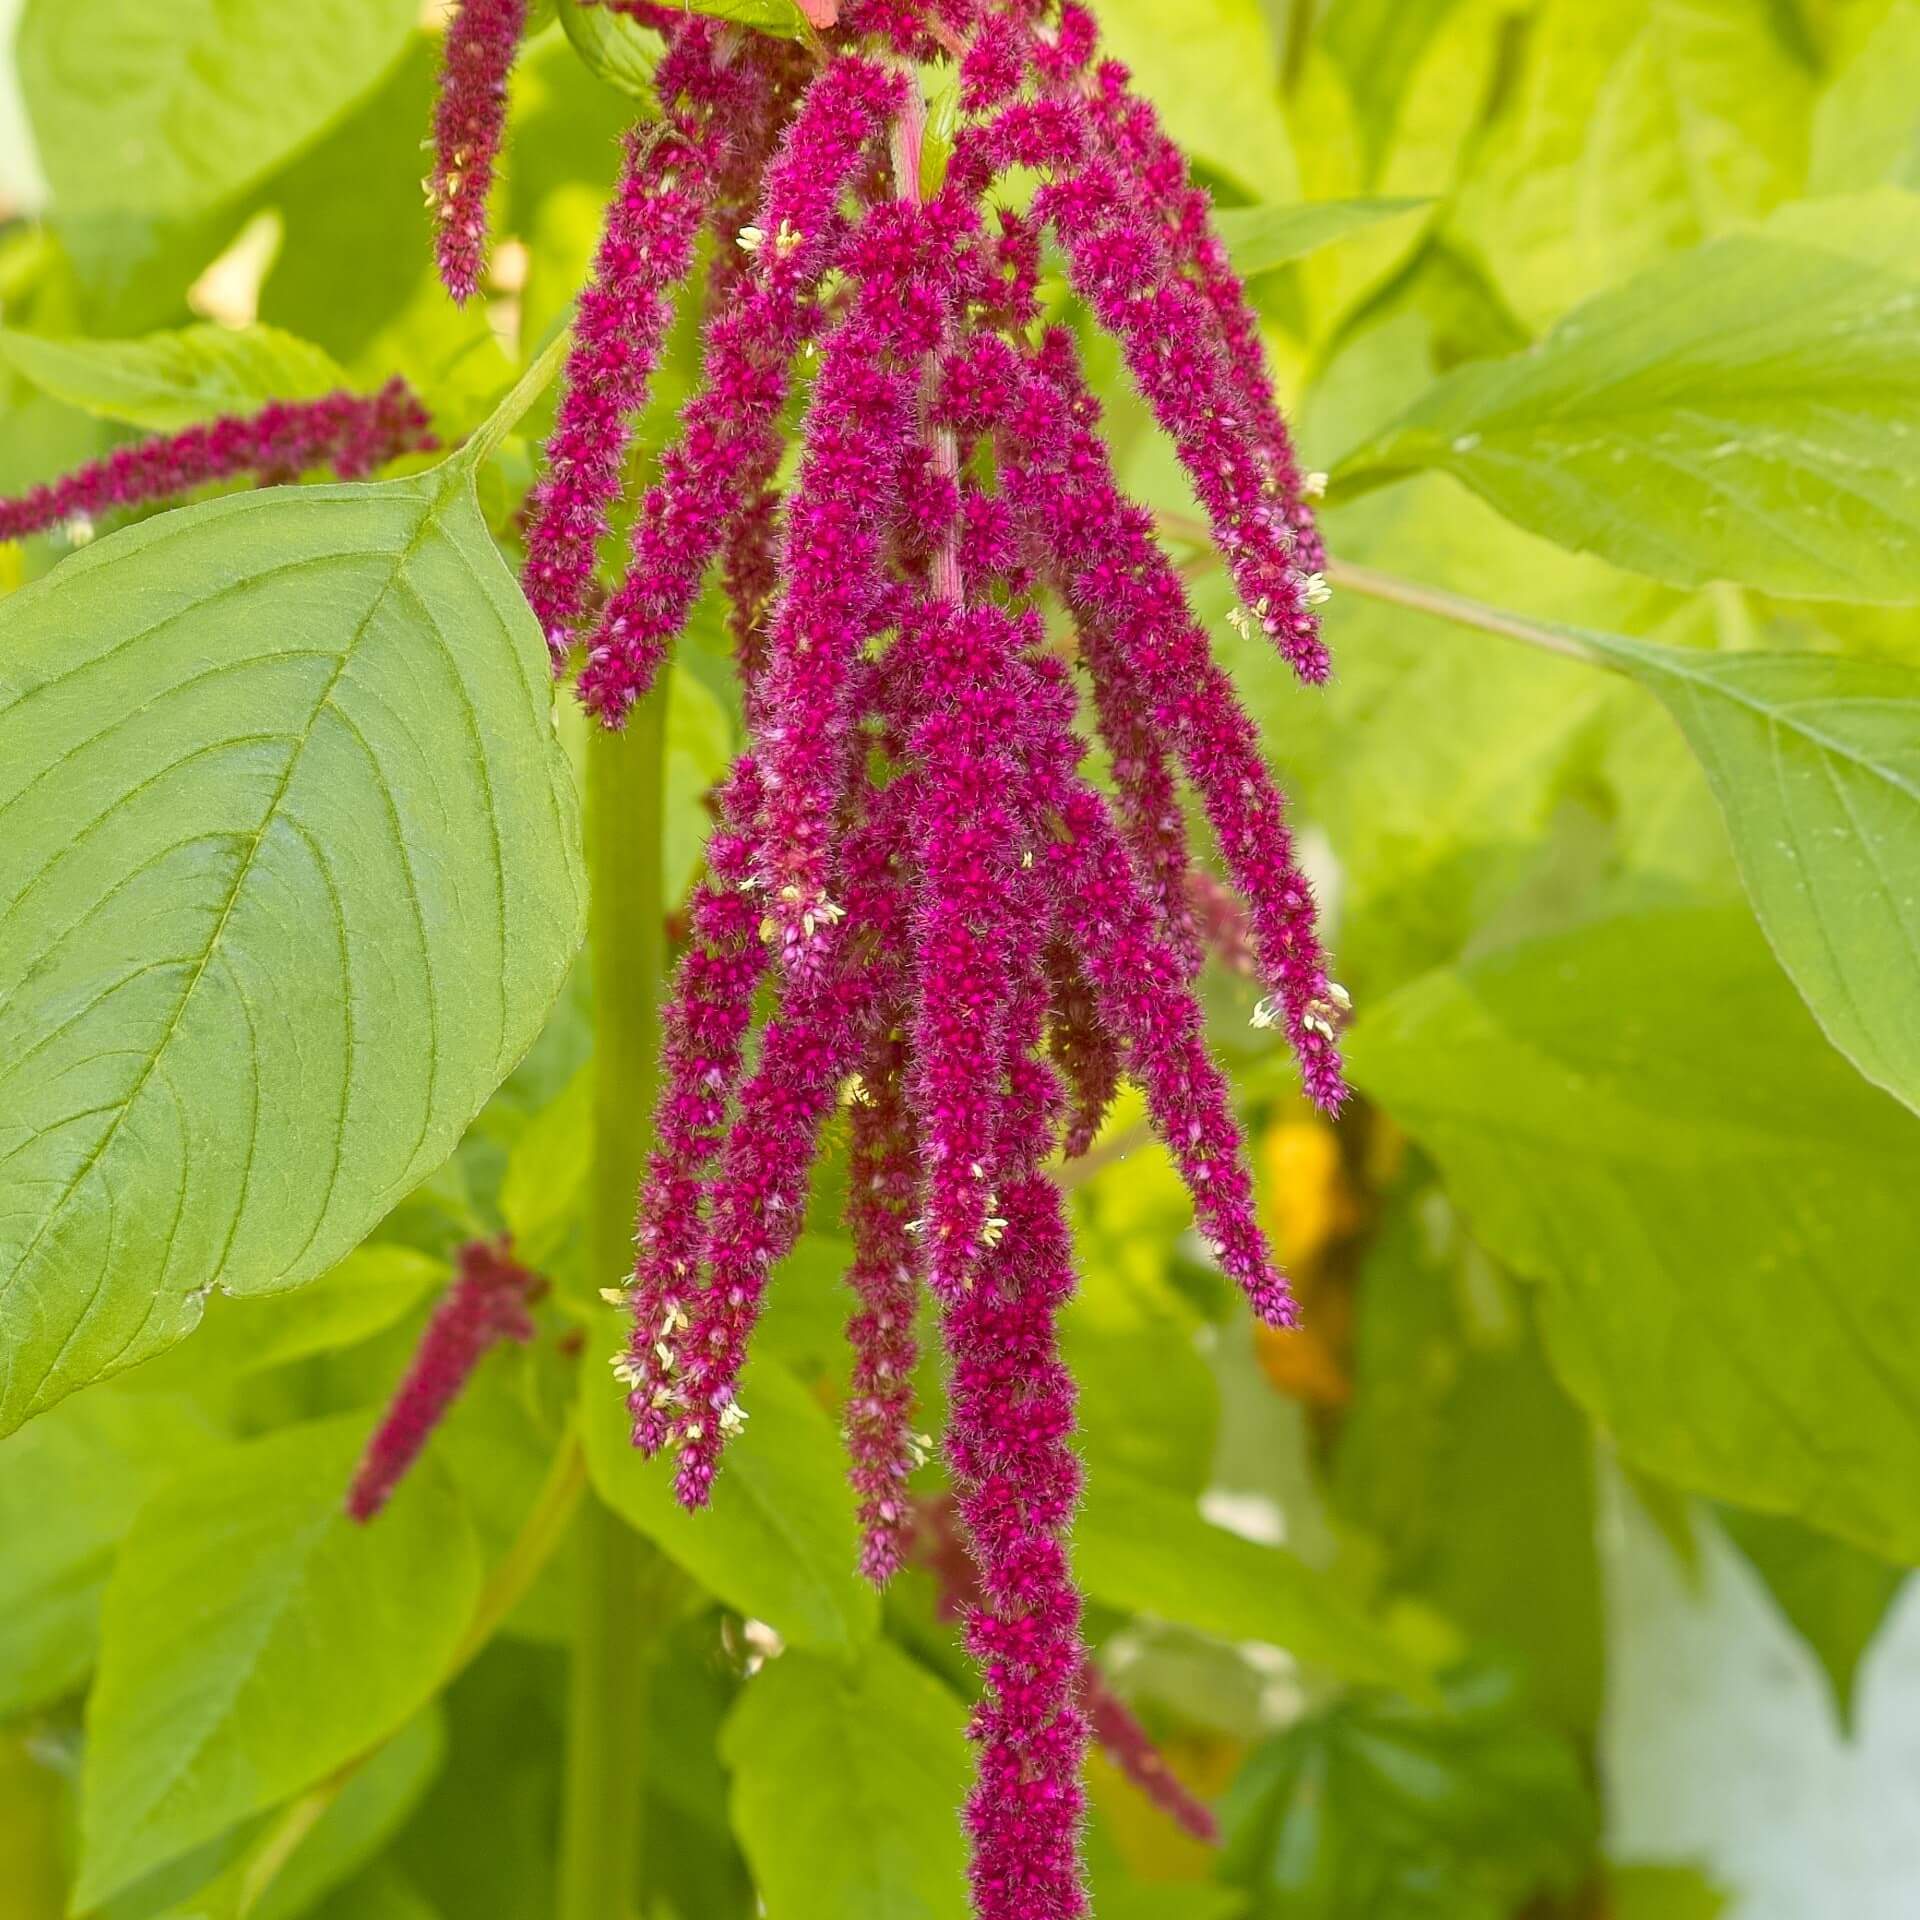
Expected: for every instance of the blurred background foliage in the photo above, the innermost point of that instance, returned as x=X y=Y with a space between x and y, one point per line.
x=1554 y=1568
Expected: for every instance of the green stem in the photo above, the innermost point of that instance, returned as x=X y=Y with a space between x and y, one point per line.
x=1457 y=608
x=617 y=1571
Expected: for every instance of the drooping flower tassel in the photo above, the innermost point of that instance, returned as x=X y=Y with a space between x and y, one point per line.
x=351 y=433
x=487 y=1303
x=469 y=116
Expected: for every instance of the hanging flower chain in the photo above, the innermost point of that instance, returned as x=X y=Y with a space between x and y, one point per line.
x=968 y=943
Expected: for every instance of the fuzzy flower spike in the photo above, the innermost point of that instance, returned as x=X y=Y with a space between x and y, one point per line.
x=953 y=932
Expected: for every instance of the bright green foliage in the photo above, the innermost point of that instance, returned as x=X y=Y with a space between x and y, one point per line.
x=171 y=110
x=1700 y=424
x=778 y=1542
x=292 y=882
x=256 y=1638
x=1605 y=319
x=843 y=1789
x=170 y=380
x=1575 y=1093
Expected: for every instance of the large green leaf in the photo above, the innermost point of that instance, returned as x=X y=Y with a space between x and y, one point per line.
x=1642 y=1115
x=1815 y=761
x=1260 y=239
x=1697 y=426
x=288 y=881
x=1633 y=128
x=172 y=109
x=1835 y=1597
x=778 y=1541
x=1210 y=68
x=1372 y=1807
x=1148 y=1551
x=69 y=1489
x=616 y=46
x=846 y=1789
x=165 y=381
x=1866 y=128
x=255 y=1638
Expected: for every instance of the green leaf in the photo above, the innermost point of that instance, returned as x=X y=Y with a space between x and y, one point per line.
x=1642 y=1116
x=289 y=877
x=69 y=1489
x=1835 y=1597
x=1209 y=66
x=166 y=381
x=266 y=1883
x=846 y=1787
x=1649 y=1890
x=383 y=1892
x=1633 y=129
x=1372 y=1807
x=617 y=48
x=174 y=109
x=1377 y=46
x=1695 y=426
x=1866 y=128
x=778 y=1541
x=255 y=1638
x=540 y=1194
x=1815 y=761
x=1148 y=1551
x=1262 y=238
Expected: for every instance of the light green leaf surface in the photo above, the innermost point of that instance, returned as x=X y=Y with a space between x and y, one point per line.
x=1634 y=128
x=166 y=381
x=1815 y=761
x=778 y=1541
x=69 y=1489
x=172 y=109
x=1211 y=69
x=1149 y=1551
x=1696 y=426
x=255 y=1638
x=1866 y=128
x=618 y=48
x=1642 y=1116
x=847 y=1788
x=289 y=877
x=1262 y=238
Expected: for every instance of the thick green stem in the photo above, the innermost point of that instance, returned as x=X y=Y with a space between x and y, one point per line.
x=617 y=1571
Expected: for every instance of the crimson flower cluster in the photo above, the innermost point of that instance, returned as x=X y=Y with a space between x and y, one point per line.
x=488 y=1302
x=351 y=433
x=964 y=940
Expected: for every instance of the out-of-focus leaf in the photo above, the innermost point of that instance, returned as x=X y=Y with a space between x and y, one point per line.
x=547 y=1170
x=1835 y=1596
x=1467 y=1463
x=1642 y=1115
x=1137 y=1547
x=617 y=47
x=173 y=109
x=1656 y=1891
x=31 y=1808
x=292 y=877
x=165 y=381
x=699 y=748
x=355 y=1823
x=1262 y=238
x=778 y=1542
x=846 y=1787
x=1377 y=46
x=383 y=1892
x=254 y=1638
x=1696 y=426
x=1866 y=128
x=1636 y=128
x=70 y=1486
x=1210 y=68
x=1815 y=761
x=1373 y=1807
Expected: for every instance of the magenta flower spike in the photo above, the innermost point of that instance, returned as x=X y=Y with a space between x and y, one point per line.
x=469 y=117
x=938 y=923
x=349 y=432
x=487 y=1303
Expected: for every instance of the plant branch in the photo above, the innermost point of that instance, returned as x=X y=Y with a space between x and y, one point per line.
x=1457 y=608
x=601 y=1805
